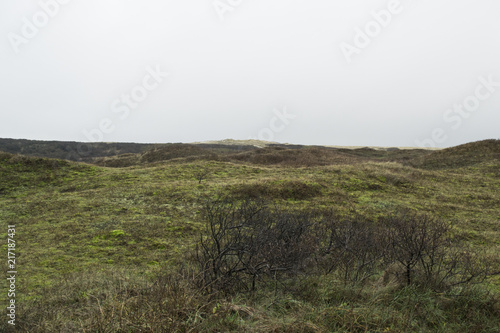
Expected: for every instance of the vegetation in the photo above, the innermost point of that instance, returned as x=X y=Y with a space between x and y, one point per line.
x=75 y=151
x=276 y=239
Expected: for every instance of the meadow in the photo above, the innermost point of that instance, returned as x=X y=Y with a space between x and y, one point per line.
x=112 y=244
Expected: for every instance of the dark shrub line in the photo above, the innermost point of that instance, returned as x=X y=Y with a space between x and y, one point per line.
x=251 y=243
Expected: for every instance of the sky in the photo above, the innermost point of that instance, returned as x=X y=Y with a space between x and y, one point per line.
x=316 y=72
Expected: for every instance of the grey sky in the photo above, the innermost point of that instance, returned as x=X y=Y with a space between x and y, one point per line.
x=235 y=65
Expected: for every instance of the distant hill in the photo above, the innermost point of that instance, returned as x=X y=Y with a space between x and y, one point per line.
x=69 y=150
x=172 y=151
x=302 y=156
x=272 y=155
x=253 y=152
x=101 y=152
x=466 y=155
x=232 y=142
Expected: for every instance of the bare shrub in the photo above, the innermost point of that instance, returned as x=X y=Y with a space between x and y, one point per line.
x=352 y=248
x=457 y=264
x=428 y=255
x=248 y=242
x=414 y=239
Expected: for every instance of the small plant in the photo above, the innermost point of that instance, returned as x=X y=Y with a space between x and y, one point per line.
x=201 y=174
x=115 y=234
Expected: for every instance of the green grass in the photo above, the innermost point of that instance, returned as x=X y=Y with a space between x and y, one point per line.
x=91 y=242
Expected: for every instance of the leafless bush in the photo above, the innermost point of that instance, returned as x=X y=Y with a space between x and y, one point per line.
x=249 y=242
x=428 y=255
x=414 y=240
x=457 y=264
x=352 y=248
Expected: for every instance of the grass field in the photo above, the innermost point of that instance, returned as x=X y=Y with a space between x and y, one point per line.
x=108 y=246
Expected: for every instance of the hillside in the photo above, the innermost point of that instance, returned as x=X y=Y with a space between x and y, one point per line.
x=111 y=246
x=272 y=154
x=467 y=155
x=260 y=152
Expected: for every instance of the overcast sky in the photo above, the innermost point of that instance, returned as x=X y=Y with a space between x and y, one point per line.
x=330 y=72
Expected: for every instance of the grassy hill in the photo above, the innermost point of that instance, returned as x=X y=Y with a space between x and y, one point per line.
x=271 y=154
x=110 y=246
x=467 y=155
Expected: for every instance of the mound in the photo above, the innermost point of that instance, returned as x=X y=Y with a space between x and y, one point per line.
x=22 y=163
x=119 y=161
x=465 y=155
x=290 y=189
x=182 y=151
x=171 y=151
x=163 y=153
x=232 y=142
x=17 y=171
x=309 y=156
x=385 y=154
